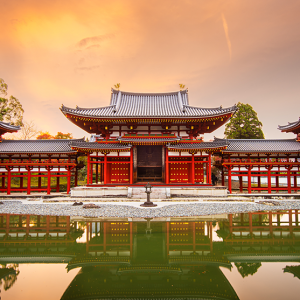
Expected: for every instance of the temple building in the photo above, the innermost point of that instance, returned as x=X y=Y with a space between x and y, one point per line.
x=36 y=165
x=148 y=137
x=156 y=138
x=255 y=159
x=293 y=127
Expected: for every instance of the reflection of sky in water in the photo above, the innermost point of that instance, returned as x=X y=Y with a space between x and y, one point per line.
x=192 y=256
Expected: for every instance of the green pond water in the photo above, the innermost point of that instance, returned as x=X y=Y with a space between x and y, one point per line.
x=235 y=256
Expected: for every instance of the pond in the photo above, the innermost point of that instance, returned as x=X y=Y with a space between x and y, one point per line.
x=235 y=256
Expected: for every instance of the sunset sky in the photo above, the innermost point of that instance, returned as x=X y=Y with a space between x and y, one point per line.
x=72 y=52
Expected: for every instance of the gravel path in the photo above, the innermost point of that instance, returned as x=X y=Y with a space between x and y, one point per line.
x=127 y=211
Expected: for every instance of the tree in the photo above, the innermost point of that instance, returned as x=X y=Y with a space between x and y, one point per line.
x=47 y=136
x=28 y=131
x=11 y=109
x=44 y=136
x=64 y=136
x=246 y=269
x=244 y=124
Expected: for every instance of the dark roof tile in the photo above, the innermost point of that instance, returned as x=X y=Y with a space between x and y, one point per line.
x=37 y=146
x=260 y=145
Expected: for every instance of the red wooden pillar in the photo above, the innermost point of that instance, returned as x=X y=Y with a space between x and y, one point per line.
x=28 y=180
x=269 y=180
x=295 y=181
x=269 y=167
x=209 y=169
x=105 y=168
x=91 y=170
x=249 y=179
x=259 y=179
x=131 y=166
x=48 y=180
x=229 y=179
x=289 y=180
x=241 y=183
x=39 y=181
x=8 y=180
x=167 y=167
x=193 y=168
x=57 y=183
x=88 y=169
x=69 y=180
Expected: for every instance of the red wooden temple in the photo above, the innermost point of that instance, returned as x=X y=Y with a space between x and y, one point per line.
x=155 y=138
x=148 y=137
x=36 y=165
x=257 y=159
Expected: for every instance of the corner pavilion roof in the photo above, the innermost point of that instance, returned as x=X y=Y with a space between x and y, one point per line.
x=37 y=146
x=6 y=127
x=291 y=127
x=125 y=104
x=260 y=145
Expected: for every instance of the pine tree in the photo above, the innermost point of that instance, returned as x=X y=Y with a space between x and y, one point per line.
x=244 y=124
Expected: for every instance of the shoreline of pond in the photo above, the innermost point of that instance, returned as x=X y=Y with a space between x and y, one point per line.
x=131 y=210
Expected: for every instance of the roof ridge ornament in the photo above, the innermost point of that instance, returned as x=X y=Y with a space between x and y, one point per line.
x=117 y=106
x=180 y=102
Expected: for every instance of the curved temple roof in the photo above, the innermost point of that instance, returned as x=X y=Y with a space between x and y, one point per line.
x=124 y=104
x=6 y=127
x=260 y=145
x=291 y=127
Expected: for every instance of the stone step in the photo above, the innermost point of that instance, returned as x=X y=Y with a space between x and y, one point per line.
x=139 y=193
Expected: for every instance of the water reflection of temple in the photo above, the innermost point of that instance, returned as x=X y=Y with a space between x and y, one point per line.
x=262 y=236
x=143 y=259
x=152 y=258
x=29 y=238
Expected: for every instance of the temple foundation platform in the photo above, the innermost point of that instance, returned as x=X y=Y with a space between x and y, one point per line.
x=157 y=192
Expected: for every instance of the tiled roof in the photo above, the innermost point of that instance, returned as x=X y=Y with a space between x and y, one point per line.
x=198 y=146
x=160 y=140
x=99 y=146
x=289 y=126
x=8 y=127
x=37 y=146
x=124 y=104
x=260 y=145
